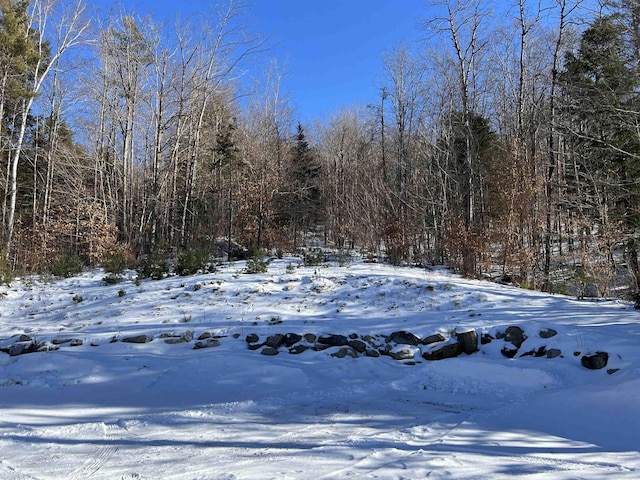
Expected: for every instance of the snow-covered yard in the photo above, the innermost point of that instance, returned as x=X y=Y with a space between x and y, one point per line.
x=101 y=408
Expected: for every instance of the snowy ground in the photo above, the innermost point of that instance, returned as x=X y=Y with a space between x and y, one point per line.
x=104 y=410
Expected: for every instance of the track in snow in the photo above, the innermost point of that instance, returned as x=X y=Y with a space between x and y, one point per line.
x=101 y=455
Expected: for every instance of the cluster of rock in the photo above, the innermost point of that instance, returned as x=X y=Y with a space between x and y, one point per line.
x=401 y=345
x=408 y=347
x=514 y=337
x=19 y=345
x=204 y=340
x=23 y=344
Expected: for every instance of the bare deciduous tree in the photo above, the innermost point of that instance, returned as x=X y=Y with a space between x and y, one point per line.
x=69 y=24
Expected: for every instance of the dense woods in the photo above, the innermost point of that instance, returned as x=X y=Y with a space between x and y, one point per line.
x=506 y=146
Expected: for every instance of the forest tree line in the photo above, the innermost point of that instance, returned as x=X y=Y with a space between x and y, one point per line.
x=507 y=145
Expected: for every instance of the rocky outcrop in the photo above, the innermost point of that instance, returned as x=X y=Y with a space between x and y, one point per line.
x=402 y=345
x=19 y=345
x=21 y=348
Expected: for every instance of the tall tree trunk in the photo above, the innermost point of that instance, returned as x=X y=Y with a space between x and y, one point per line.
x=552 y=142
x=13 y=176
x=69 y=31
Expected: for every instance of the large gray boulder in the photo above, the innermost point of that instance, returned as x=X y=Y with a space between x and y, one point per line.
x=358 y=345
x=547 y=333
x=595 y=362
x=274 y=341
x=21 y=348
x=345 y=352
x=515 y=335
x=333 y=340
x=404 y=338
x=138 y=339
x=403 y=353
x=290 y=339
x=553 y=353
x=208 y=343
x=436 y=338
x=448 y=350
x=468 y=341
x=177 y=339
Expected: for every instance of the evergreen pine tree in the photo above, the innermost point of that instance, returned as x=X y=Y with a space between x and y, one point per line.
x=600 y=85
x=302 y=205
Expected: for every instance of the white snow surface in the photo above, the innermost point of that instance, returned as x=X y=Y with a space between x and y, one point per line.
x=115 y=410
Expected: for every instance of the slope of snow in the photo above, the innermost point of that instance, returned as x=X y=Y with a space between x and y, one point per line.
x=115 y=410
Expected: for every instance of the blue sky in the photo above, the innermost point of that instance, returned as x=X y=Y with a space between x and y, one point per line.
x=331 y=50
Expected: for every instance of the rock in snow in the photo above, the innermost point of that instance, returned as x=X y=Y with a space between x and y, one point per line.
x=595 y=362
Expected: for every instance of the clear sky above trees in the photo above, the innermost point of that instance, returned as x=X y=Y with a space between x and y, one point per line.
x=330 y=50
